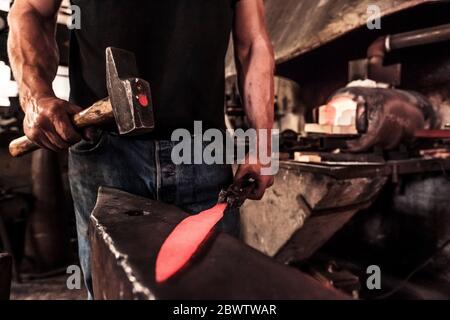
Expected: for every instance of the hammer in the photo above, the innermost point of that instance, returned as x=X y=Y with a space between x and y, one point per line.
x=129 y=102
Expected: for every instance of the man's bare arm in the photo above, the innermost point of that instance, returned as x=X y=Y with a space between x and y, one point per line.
x=255 y=69
x=34 y=57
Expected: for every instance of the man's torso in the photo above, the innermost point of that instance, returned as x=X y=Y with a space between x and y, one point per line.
x=180 y=47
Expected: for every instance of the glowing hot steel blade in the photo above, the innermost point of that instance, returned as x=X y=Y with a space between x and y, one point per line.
x=184 y=241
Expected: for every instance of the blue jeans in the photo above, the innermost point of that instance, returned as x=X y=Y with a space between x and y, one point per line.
x=141 y=167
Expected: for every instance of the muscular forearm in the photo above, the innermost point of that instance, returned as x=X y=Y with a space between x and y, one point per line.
x=33 y=53
x=255 y=75
x=255 y=69
x=255 y=64
x=34 y=56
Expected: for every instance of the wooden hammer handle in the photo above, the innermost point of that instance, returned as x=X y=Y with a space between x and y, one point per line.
x=99 y=113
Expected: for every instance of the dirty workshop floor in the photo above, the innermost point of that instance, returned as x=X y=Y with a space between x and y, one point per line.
x=53 y=288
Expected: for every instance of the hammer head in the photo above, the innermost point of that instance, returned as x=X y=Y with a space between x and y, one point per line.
x=130 y=96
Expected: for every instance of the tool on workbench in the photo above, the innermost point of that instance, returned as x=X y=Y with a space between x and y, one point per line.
x=184 y=241
x=129 y=102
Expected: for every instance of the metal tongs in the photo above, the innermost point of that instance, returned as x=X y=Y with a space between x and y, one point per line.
x=236 y=194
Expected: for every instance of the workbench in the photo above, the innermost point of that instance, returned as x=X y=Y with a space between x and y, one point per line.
x=310 y=202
